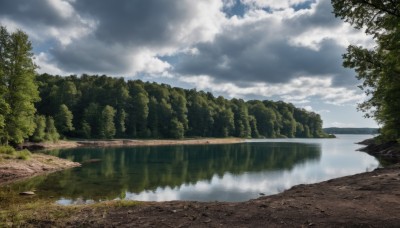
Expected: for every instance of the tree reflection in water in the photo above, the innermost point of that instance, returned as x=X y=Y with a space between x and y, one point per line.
x=109 y=173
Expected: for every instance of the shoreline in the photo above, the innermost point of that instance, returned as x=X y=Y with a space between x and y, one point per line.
x=370 y=199
x=12 y=170
x=64 y=144
x=388 y=152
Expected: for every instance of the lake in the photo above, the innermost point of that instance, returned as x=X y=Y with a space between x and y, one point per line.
x=235 y=172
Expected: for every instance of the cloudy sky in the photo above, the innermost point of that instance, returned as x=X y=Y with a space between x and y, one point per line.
x=286 y=50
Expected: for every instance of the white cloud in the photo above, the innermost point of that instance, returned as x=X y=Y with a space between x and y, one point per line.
x=229 y=3
x=273 y=4
x=339 y=124
x=46 y=66
x=298 y=89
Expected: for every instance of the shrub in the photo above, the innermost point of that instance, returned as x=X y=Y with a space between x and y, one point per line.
x=24 y=154
x=7 y=150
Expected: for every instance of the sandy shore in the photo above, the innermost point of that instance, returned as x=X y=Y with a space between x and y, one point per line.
x=38 y=164
x=128 y=142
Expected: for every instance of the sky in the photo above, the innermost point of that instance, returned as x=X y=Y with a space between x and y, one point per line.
x=289 y=50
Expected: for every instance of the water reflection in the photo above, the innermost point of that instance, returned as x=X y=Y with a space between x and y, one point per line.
x=209 y=172
x=236 y=172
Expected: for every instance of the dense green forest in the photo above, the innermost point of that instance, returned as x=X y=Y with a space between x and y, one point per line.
x=107 y=107
x=341 y=130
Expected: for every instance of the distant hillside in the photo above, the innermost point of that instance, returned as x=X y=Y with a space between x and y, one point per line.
x=337 y=130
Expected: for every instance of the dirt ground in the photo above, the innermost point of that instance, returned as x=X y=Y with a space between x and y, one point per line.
x=369 y=199
x=16 y=169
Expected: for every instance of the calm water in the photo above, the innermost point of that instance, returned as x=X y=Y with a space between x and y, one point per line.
x=236 y=172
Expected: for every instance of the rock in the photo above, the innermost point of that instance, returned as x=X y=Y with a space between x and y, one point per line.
x=261 y=194
x=94 y=160
x=29 y=193
x=207 y=221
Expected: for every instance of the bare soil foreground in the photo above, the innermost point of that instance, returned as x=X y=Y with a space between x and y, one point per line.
x=37 y=164
x=128 y=142
x=369 y=199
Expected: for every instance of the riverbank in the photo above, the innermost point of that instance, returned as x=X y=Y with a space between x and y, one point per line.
x=388 y=151
x=370 y=199
x=37 y=164
x=127 y=143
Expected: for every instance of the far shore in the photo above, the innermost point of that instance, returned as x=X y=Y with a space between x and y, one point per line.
x=65 y=144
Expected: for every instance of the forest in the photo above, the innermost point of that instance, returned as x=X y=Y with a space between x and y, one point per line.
x=103 y=107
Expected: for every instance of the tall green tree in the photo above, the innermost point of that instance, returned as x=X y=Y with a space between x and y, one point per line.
x=137 y=110
x=377 y=68
x=51 y=133
x=121 y=122
x=91 y=123
x=241 y=119
x=63 y=120
x=40 y=130
x=107 y=129
x=18 y=87
x=4 y=59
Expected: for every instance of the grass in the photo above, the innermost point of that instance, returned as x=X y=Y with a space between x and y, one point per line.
x=8 y=152
x=18 y=211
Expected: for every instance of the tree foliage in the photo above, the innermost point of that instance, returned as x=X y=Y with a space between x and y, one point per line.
x=18 y=89
x=64 y=119
x=151 y=110
x=377 y=68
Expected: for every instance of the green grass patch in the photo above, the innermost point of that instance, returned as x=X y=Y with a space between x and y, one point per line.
x=8 y=152
x=24 y=154
x=20 y=214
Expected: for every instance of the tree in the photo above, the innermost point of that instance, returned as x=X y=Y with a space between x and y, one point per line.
x=176 y=129
x=92 y=120
x=179 y=107
x=159 y=111
x=4 y=58
x=265 y=118
x=107 y=129
x=64 y=120
x=40 y=130
x=138 y=110
x=18 y=87
x=51 y=133
x=241 y=118
x=120 y=121
x=378 y=68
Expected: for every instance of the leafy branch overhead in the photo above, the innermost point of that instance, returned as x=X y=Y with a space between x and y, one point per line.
x=378 y=68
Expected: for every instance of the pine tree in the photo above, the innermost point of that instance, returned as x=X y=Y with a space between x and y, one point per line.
x=18 y=89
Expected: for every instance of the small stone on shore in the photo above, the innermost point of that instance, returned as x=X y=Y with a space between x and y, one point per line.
x=29 y=193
